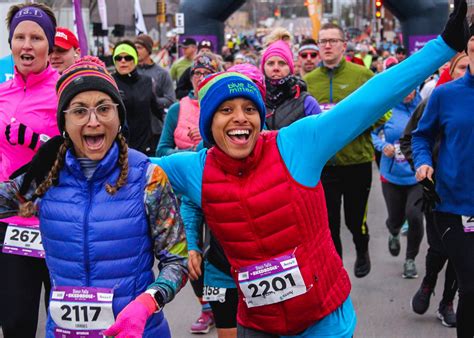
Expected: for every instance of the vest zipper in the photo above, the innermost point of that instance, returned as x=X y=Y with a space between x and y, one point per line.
x=86 y=235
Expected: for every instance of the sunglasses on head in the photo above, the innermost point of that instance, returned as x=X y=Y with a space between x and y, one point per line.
x=126 y=58
x=312 y=55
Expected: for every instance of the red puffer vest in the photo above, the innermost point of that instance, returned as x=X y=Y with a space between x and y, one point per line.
x=188 y=118
x=257 y=211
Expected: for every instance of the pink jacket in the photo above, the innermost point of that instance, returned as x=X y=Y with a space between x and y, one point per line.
x=32 y=103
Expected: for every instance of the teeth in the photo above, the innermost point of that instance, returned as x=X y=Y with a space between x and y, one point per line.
x=239 y=132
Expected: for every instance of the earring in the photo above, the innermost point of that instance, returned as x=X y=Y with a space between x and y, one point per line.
x=120 y=129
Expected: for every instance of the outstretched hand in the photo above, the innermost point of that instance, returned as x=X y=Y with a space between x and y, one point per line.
x=456 y=32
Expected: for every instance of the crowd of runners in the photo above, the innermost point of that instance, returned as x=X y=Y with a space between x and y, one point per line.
x=229 y=169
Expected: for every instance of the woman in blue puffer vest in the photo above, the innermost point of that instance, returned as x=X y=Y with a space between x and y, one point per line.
x=104 y=210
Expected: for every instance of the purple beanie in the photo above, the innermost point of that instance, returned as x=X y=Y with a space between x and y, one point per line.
x=37 y=15
x=281 y=49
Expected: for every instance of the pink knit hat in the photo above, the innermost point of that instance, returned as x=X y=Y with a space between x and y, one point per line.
x=281 y=49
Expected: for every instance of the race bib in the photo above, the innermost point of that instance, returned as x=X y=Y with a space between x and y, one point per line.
x=272 y=281
x=213 y=294
x=23 y=240
x=399 y=157
x=81 y=311
x=468 y=223
x=326 y=106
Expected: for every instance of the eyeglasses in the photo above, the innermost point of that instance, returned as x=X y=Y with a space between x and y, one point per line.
x=203 y=74
x=80 y=116
x=311 y=55
x=126 y=58
x=331 y=42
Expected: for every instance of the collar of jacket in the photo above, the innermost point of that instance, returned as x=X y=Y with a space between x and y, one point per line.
x=104 y=168
x=33 y=78
x=235 y=167
x=336 y=69
x=468 y=77
x=131 y=77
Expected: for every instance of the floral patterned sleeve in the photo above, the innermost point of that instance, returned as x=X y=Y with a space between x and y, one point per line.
x=167 y=231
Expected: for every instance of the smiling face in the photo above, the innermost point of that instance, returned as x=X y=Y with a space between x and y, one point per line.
x=94 y=139
x=276 y=68
x=29 y=48
x=236 y=127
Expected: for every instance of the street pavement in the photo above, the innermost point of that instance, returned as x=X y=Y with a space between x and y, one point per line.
x=381 y=300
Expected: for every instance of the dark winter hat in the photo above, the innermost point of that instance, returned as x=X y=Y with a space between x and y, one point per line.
x=88 y=73
x=220 y=87
x=146 y=41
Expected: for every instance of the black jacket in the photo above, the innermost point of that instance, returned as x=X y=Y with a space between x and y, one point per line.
x=140 y=102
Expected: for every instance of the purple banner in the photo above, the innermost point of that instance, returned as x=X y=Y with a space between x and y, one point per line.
x=79 y=294
x=270 y=267
x=81 y=34
x=416 y=42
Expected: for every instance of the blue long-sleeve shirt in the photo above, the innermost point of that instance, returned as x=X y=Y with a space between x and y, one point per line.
x=307 y=144
x=396 y=169
x=449 y=111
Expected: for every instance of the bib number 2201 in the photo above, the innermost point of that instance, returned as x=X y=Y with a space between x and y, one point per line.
x=275 y=284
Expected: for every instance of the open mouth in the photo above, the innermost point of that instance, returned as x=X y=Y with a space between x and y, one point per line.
x=27 y=57
x=94 y=142
x=240 y=136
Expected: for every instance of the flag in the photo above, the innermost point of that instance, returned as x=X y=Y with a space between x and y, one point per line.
x=103 y=18
x=79 y=24
x=140 y=27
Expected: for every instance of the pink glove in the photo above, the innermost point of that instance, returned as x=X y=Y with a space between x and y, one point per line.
x=131 y=321
x=18 y=133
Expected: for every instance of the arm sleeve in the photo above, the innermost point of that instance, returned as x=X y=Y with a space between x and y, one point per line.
x=311 y=106
x=166 y=87
x=10 y=199
x=184 y=171
x=192 y=219
x=167 y=232
x=166 y=146
x=317 y=138
x=379 y=144
x=424 y=136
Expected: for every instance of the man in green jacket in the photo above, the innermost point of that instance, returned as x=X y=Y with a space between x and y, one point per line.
x=348 y=175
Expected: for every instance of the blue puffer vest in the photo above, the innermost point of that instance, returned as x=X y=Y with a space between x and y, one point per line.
x=95 y=239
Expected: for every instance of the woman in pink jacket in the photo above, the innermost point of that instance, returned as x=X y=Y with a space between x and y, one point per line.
x=27 y=118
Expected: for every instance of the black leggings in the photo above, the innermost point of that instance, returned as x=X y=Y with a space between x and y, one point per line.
x=225 y=314
x=460 y=248
x=400 y=201
x=436 y=257
x=20 y=290
x=350 y=183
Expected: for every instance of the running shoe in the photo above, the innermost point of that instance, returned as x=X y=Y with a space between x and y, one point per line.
x=362 y=265
x=446 y=314
x=394 y=244
x=409 y=269
x=404 y=230
x=421 y=300
x=204 y=323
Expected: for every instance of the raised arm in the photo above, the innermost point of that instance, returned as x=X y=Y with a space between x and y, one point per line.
x=317 y=138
